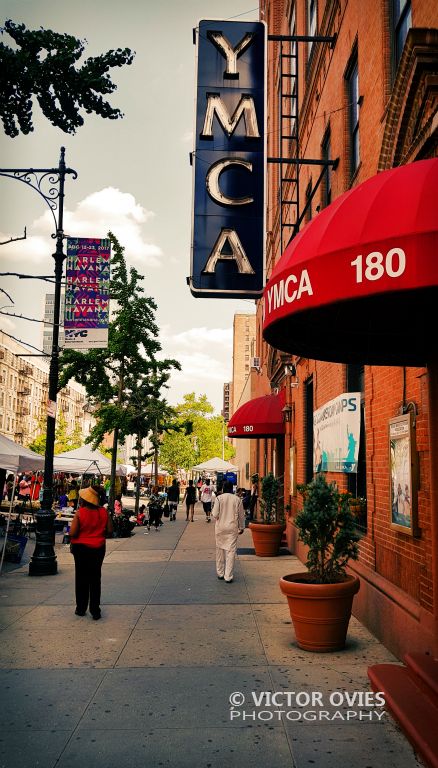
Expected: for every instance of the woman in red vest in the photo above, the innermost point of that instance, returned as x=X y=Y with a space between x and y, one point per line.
x=88 y=531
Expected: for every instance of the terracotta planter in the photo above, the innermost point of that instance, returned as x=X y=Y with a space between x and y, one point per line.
x=266 y=538
x=320 y=612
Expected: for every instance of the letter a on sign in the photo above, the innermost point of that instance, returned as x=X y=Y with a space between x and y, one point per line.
x=228 y=236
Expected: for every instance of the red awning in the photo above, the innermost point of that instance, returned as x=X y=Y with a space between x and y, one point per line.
x=360 y=282
x=261 y=417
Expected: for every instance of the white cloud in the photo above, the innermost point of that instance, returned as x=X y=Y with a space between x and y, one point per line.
x=107 y=210
x=199 y=339
x=205 y=355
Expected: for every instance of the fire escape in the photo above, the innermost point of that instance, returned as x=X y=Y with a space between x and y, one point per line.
x=292 y=209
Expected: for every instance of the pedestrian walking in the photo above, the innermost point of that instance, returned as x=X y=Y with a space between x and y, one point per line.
x=229 y=520
x=173 y=499
x=155 y=508
x=90 y=526
x=190 y=499
x=73 y=494
x=206 y=499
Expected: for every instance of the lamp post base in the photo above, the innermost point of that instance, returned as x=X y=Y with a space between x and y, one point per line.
x=43 y=562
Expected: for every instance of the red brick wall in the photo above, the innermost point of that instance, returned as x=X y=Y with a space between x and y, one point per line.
x=401 y=564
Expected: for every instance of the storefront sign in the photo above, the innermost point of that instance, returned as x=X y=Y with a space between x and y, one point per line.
x=336 y=434
x=87 y=293
x=229 y=161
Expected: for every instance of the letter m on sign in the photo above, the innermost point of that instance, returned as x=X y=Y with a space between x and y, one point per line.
x=229 y=161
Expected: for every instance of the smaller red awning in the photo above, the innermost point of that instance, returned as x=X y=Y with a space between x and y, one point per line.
x=261 y=417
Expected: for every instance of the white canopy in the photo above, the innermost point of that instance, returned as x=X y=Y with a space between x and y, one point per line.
x=128 y=469
x=149 y=469
x=16 y=458
x=84 y=460
x=216 y=465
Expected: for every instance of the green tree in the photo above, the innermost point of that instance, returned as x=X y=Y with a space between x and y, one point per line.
x=43 y=65
x=128 y=369
x=205 y=441
x=63 y=441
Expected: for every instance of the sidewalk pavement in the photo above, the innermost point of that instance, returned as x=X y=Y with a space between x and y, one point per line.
x=150 y=684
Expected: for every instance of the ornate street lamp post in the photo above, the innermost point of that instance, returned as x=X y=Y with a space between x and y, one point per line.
x=44 y=561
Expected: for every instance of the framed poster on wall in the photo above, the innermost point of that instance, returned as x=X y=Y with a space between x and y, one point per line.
x=403 y=475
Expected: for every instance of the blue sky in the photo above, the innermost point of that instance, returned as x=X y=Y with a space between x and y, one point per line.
x=134 y=175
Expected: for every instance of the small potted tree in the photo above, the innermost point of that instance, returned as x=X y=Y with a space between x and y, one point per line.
x=268 y=531
x=321 y=598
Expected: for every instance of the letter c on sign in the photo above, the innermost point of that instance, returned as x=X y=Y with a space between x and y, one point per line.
x=212 y=182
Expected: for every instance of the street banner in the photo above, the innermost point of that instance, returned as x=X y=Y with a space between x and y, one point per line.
x=228 y=234
x=336 y=434
x=86 y=314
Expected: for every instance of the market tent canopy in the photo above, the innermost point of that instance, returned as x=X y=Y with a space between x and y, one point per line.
x=360 y=282
x=128 y=469
x=149 y=469
x=16 y=458
x=215 y=465
x=84 y=460
x=261 y=417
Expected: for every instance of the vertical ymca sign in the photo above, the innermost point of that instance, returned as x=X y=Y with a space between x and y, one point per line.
x=228 y=240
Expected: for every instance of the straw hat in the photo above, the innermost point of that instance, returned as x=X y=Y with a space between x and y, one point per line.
x=90 y=495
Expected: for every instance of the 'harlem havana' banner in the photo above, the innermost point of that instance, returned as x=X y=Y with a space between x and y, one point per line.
x=229 y=161
x=86 y=314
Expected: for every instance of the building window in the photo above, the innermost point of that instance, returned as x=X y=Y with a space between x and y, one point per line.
x=401 y=24
x=308 y=215
x=357 y=483
x=308 y=405
x=353 y=113
x=327 y=181
x=311 y=25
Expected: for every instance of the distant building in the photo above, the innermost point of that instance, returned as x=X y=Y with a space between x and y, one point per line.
x=24 y=390
x=49 y=307
x=244 y=335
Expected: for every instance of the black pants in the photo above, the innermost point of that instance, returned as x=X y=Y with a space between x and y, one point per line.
x=88 y=567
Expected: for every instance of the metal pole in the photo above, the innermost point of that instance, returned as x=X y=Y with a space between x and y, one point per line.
x=43 y=562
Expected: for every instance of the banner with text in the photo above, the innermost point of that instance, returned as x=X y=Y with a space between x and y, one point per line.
x=86 y=315
x=336 y=434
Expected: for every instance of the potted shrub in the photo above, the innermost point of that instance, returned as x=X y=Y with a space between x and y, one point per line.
x=268 y=531
x=321 y=598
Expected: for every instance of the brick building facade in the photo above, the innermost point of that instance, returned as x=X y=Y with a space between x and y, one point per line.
x=367 y=100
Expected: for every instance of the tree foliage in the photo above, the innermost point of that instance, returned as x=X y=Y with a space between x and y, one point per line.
x=326 y=526
x=125 y=380
x=63 y=440
x=202 y=438
x=44 y=65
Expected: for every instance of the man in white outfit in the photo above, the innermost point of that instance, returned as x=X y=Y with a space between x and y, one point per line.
x=229 y=517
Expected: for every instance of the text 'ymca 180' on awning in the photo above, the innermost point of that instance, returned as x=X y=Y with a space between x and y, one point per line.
x=360 y=282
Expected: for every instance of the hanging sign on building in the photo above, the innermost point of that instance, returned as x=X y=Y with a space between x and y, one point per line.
x=228 y=242
x=86 y=314
x=336 y=434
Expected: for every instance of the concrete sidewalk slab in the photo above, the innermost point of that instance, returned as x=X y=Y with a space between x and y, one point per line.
x=197 y=582
x=187 y=635
x=182 y=747
x=177 y=671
